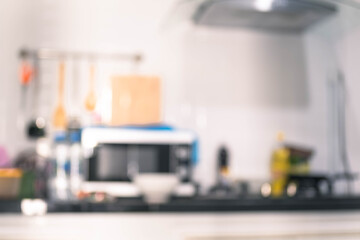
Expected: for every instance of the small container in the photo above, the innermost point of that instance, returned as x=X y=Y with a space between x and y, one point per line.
x=59 y=183
x=10 y=181
x=75 y=154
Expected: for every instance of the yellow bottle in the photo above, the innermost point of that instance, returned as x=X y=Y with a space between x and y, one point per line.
x=280 y=166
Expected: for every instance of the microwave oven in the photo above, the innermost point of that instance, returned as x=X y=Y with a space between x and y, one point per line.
x=113 y=156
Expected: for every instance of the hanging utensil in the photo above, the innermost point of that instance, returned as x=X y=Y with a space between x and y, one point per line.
x=26 y=74
x=74 y=121
x=59 y=119
x=90 y=100
x=36 y=126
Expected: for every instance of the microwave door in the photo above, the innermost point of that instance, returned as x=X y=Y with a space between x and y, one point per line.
x=154 y=159
x=109 y=163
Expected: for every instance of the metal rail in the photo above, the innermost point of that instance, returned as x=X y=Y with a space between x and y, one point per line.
x=52 y=54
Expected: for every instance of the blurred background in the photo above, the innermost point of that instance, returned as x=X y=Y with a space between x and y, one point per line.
x=179 y=106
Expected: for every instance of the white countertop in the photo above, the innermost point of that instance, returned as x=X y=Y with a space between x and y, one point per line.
x=257 y=226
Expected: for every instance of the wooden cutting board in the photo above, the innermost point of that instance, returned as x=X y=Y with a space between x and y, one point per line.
x=136 y=100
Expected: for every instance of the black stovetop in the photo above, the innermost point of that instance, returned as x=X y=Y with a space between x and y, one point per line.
x=199 y=204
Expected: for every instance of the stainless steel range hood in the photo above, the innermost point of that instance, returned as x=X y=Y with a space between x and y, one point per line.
x=274 y=15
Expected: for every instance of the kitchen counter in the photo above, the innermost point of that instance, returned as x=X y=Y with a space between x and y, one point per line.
x=343 y=225
x=202 y=218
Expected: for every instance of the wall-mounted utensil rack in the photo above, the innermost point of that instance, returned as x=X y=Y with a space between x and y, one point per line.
x=33 y=58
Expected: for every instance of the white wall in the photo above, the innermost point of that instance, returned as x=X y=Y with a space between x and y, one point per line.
x=240 y=88
x=13 y=28
x=332 y=47
x=233 y=87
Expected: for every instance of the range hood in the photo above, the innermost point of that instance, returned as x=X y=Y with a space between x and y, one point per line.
x=274 y=15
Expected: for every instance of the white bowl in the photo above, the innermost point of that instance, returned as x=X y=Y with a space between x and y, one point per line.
x=156 y=187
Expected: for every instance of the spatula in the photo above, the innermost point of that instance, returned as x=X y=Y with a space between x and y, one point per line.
x=90 y=100
x=59 y=118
